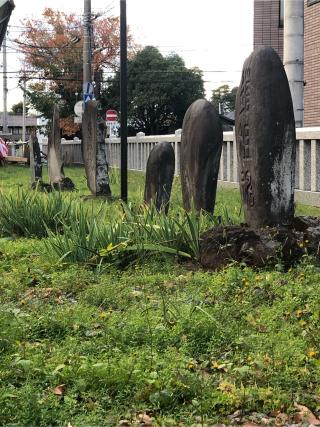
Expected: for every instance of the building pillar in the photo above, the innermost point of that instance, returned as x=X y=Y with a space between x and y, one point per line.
x=293 y=56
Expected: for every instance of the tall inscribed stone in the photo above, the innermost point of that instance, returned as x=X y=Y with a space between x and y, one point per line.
x=56 y=175
x=201 y=144
x=266 y=138
x=35 y=160
x=93 y=150
x=159 y=175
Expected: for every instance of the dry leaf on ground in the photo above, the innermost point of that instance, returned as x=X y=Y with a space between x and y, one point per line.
x=144 y=420
x=305 y=415
x=59 y=390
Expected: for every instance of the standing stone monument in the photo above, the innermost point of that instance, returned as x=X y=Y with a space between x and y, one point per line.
x=94 y=150
x=265 y=134
x=57 y=179
x=201 y=144
x=35 y=160
x=159 y=176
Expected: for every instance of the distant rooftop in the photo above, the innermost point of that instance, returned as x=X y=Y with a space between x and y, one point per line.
x=15 y=120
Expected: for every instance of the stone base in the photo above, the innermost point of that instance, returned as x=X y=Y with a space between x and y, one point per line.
x=262 y=247
x=41 y=186
x=65 y=184
x=101 y=197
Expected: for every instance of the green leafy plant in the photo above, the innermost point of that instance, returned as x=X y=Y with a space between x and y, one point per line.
x=31 y=214
x=95 y=346
x=137 y=230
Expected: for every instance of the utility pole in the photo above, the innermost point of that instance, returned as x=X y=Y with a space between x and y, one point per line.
x=5 y=86
x=123 y=100
x=293 y=56
x=24 y=108
x=87 y=44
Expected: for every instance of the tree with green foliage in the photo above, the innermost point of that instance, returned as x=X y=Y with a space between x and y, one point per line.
x=160 y=89
x=17 y=109
x=224 y=98
x=53 y=65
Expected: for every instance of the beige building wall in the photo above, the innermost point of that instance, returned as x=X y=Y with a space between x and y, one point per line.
x=268 y=32
x=312 y=64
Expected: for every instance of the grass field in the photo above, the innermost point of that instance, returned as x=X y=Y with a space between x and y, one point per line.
x=13 y=178
x=92 y=345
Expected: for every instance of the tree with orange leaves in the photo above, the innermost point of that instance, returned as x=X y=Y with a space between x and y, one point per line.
x=52 y=48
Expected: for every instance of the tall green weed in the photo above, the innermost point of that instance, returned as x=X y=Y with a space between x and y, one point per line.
x=32 y=214
x=137 y=230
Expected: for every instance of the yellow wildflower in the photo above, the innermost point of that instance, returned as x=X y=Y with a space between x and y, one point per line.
x=267 y=359
x=226 y=387
x=312 y=353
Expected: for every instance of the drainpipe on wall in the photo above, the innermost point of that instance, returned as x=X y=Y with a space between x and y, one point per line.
x=293 y=56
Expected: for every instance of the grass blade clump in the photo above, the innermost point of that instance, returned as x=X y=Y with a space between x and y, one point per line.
x=82 y=239
x=136 y=231
x=31 y=214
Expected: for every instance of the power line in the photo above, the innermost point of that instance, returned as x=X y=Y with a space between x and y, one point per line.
x=118 y=81
x=19 y=72
x=74 y=40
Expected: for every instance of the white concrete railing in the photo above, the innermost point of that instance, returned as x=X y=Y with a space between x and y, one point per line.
x=307 y=164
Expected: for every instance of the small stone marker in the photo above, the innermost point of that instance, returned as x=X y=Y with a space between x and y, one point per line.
x=94 y=150
x=201 y=144
x=35 y=160
x=55 y=166
x=159 y=175
x=266 y=138
x=57 y=179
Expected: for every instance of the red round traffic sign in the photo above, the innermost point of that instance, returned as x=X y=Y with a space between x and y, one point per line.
x=111 y=116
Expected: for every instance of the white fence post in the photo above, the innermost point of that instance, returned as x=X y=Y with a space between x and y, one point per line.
x=221 y=173
x=235 y=157
x=141 y=163
x=313 y=165
x=301 y=164
x=228 y=161
x=177 y=141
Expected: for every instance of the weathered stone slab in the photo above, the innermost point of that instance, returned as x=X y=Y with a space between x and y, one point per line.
x=159 y=175
x=56 y=175
x=201 y=144
x=55 y=167
x=35 y=160
x=265 y=133
x=93 y=148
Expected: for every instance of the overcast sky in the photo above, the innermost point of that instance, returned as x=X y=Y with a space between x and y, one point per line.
x=214 y=35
